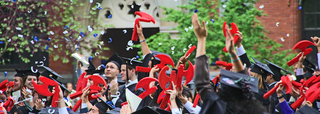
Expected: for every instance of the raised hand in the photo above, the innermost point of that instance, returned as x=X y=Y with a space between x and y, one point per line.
x=200 y=32
x=238 y=43
x=229 y=41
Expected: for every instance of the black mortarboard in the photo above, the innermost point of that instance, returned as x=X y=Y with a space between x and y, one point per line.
x=116 y=60
x=19 y=73
x=310 y=68
x=146 y=110
x=28 y=72
x=49 y=73
x=101 y=106
x=234 y=79
x=276 y=70
x=261 y=68
x=307 y=110
x=131 y=62
x=91 y=69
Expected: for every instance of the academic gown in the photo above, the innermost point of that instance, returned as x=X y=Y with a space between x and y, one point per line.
x=244 y=59
x=145 y=63
x=122 y=90
x=259 y=97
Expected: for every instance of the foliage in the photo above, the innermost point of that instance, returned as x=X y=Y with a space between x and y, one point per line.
x=51 y=26
x=256 y=43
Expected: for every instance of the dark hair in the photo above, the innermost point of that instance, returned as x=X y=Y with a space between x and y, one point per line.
x=239 y=103
x=187 y=92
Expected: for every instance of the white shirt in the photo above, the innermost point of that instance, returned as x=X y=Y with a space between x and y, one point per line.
x=191 y=109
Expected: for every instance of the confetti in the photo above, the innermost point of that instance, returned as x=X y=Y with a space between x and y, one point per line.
x=47 y=47
x=49 y=39
x=29 y=11
x=1 y=42
x=14 y=0
x=34 y=71
x=36 y=62
x=175 y=0
x=261 y=6
x=66 y=27
x=124 y=31
x=282 y=39
x=66 y=39
x=130 y=43
x=98 y=4
x=89 y=28
x=206 y=22
x=277 y=24
x=195 y=11
x=300 y=7
x=5 y=73
x=172 y=48
x=82 y=34
x=224 y=6
x=212 y=20
x=110 y=40
x=35 y=38
x=100 y=8
x=189 y=46
x=31 y=42
x=55 y=46
x=44 y=58
x=184 y=50
x=95 y=35
x=52 y=33
x=91 y=1
x=186 y=29
x=128 y=48
x=109 y=16
x=90 y=58
x=101 y=42
x=45 y=12
x=18 y=28
x=288 y=35
x=99 y=46
x=191 y=27
x=97 y=53
x=102 y=32
x=137 y=56
x=79 y=37
x=172 y=52
x=19 y=35
x=160 y=44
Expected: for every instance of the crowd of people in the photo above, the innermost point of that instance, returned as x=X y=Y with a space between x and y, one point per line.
x=243 y=89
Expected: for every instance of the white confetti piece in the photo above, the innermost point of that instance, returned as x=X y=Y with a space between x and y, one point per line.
x=65 y=32
x=31 y=42
x=18 y=28
x=19 y=35
x=45 y=12
x=207 y=22
x=261 y=6
x=96 y=54
x=282 y=39
x=101 y=43
x=224 y=6
x=89 y=28
x=175 y=0
x=191 y=27
x=79 y=37
x=130 y=43
x=99 y=46
x=160 y=44
x=124 y=31
x=55 y=46
x=128 y=48
x=277 y=24
x=184 y=50
x=288 y=35
x=29 y=11
x=34 y=71
x=102 y=32
x=52 y=33
x=186 y=29
x=172 y=48
x=172 y=52
x=189 y=46
x=91 y=1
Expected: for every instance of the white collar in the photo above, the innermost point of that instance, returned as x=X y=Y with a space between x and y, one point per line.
x=109 y=84
x=131 y=82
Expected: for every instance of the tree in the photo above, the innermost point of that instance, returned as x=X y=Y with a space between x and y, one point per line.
x=241 y=12
x=51 y=26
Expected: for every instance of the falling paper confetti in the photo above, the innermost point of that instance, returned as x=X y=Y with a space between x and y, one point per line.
x=212 y=20
x=97 y=53
x=128 y=48
x=288 y=35
x=186 y=29
x=102 y=32
x=35 y=38
x=52 y=33
x=175 y=0
x=55 y=46
x=300 y=7
x=45 y=12
x=282 y=39
x=91 y=1
x=31 y=42
x=99 y=46
x=5 y=73
x=47 y=47
x=261 y=6
x=137 y=56
x=130 y=43
x=44 y=58
x=195 y=11
x=18 y=28
x=110 y=40
x=82 y=34
x=172 y=52
x=95 y=35
x=189 y=46
x=34 y=71
x=49 y=39
x=101 y=43
x=100 y=8
x=19 y=35
x=90 y=58
x=79 y=37
x=1 y=42
x=224 y=6
x=29 y=11
x=277 y=24
x=109 y=16
x=172 y=48
x=66 y=27
x=160 y=43
x=184 y=50
x=65 y=32
x=89 y=28
x=66 y=39
x=124 y=31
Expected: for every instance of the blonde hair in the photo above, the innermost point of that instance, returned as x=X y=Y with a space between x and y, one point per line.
x=256 y=75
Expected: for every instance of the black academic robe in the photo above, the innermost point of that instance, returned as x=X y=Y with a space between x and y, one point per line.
x=244 y=59
x=122 y=96
x=145 y=63
x=211 y=102
x=259 y=97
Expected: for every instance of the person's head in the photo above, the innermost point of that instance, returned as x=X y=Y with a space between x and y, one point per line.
x=69 y=86
x=28 y=81
x=18 y=77
x=256 y=75
x=98 y=108
x=131 y=72
x=270 y=78
x=112 y=70
x=186 y=93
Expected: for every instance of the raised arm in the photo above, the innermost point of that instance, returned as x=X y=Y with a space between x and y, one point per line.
x=241 y=52
x=144 y=46
x=237 y=64
x=201 y=34
x=316 y=41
